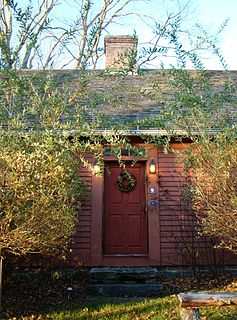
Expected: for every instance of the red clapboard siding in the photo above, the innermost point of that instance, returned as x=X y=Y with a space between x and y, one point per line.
x=177 y=224
x=82 y=238
x=172 y=230
x=82 y=223
x=169 y=183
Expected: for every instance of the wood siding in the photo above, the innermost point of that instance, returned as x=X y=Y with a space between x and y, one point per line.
x=172 y=238
x=180 y=242
x=169 y=182
x=80 y=248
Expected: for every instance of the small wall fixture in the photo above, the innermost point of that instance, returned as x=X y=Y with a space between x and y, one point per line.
x=152 y=168
x=96 y=167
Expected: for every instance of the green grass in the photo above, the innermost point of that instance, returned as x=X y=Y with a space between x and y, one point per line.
x=147 y=309
x=162 y=308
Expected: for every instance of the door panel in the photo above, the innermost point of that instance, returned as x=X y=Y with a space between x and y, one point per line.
x=125 y=222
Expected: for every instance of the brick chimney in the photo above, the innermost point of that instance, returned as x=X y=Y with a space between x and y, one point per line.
x=117 y=49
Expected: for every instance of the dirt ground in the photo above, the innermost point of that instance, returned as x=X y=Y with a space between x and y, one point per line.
x=40 y=290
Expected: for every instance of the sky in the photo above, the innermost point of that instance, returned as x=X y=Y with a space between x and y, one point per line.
x=209 y=13
x=212 y=13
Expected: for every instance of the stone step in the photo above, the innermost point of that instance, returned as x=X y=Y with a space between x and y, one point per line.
x=135 y=290
x=123 y=275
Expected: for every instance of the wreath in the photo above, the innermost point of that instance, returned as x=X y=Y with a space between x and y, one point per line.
x=126 y=181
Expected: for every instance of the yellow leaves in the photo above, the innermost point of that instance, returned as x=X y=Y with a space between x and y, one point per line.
x=215 y=183
x=39 y=193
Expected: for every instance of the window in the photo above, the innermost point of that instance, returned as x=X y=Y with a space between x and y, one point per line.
x=132 y=151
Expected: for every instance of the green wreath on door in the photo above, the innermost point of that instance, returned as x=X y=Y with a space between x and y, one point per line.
x=126 y=181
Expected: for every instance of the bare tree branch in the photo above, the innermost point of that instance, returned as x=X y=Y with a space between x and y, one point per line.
x=80 y=41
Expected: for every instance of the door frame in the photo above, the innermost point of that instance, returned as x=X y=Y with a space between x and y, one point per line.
x=97 y=258
x=142 y=163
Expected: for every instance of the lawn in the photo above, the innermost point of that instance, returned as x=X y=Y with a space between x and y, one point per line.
x=159 y=309
x=156 y=309
x=43 y=297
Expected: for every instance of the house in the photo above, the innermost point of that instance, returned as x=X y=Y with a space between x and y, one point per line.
x=138 y=216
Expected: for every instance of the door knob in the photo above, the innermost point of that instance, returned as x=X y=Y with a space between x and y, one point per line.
x=144 y=207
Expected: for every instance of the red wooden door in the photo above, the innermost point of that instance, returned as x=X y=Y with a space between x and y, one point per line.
x=125 y=220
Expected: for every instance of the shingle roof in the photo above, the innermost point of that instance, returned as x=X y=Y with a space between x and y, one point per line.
x=130 y=98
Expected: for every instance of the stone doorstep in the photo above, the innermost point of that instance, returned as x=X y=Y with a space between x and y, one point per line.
x=124 y=290
x=123 y=275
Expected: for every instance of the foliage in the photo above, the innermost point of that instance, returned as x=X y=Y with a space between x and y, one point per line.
x=22 y=29
x=199 y=107
x=31 y=36
x=35 y=34
x=47 y=130
x=214 y=177
x=126 y=181
x=42 y=117
x=39 y=190
x=28 y=28
x=196 y=110
x=39 y=187
x=208 y=118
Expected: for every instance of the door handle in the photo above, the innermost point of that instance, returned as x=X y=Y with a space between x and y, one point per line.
x=144 y=208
